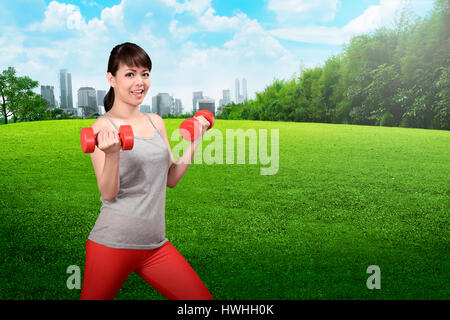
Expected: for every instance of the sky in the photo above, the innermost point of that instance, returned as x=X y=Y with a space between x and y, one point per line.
x=194 y=45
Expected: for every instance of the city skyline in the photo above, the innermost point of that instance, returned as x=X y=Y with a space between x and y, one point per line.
x=90 y=96
x=196 y=45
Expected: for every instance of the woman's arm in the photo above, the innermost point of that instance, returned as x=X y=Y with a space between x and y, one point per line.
x=179 y=168
x=105 y=159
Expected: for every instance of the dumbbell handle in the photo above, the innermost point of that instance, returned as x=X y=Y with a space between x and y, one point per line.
x=89 y=139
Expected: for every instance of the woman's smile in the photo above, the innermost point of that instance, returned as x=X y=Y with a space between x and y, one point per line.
x=138 y=93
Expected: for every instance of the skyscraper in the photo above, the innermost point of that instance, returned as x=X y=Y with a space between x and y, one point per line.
x=178 y=106
x=155 y=104
x=69 y=91
x=48 y=94
x=226 y=100
x=100 y=96
x=65 y=86
x=241 y=97
x=145 y=108
x=162 y=104
x=237 y=92
x=207 y=103
x=87 y=98
x=196 y=96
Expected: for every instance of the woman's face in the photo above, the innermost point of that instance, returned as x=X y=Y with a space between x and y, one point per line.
x=130 y=84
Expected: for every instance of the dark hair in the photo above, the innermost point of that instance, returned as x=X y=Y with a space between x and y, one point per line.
x=129 y=54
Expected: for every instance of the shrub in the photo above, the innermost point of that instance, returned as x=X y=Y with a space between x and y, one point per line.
x=387 y=120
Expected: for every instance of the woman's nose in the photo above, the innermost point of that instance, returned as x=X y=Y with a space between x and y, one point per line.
x=139 y=79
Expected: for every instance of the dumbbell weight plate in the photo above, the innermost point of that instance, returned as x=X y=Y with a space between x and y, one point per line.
x=127 y=137
x=88 y=140
x=190 y=129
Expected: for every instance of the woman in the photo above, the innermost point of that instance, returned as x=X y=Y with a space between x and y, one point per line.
x=129 y=234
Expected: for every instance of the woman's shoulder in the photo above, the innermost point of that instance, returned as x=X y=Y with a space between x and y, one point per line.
x=157 y=120
x=154 y=116
x=99 y=123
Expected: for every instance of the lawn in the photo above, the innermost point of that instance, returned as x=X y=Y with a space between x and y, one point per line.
x=344 y=197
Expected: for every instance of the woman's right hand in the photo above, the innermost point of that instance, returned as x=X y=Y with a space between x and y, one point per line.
x=108 y=141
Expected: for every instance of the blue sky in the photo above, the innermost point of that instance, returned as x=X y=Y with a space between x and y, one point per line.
x=194 y=44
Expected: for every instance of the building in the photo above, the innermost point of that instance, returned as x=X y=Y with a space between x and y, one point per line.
x=208 y=104
x=87 y=101
x=63 y=89
x=100 y=97
x=145 y=108
x=154 y=104
x=162 y=104
x=47 y=93
x=65 y=86
x=69 y=91
x=244 y=96
x=237 y=93
x=196 y=96
x=226 y=98
x=178 y=107
x=244 y=90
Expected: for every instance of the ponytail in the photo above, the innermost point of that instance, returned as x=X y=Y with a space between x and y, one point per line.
x=108 y=100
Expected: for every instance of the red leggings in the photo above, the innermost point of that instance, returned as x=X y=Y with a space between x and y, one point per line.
x=163 y=268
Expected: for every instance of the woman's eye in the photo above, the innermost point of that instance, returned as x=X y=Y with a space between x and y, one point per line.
x=146 y=74
x=128 y=74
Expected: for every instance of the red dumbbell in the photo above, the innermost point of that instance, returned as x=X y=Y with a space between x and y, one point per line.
x=191 y=128
x=89 y=139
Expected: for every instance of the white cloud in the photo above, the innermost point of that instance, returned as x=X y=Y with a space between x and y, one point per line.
x=205 y=20
x=375 y=16
x=210 y=22
x=179 y=67
x=11 y=42
x=312 y=34
x=252 y=53
x=180 y=33
x=253 y=40
x=372 y=18
x=114 y=16
x=287 y=10
x=196 y=7
x=59 y=16
x=80 y=47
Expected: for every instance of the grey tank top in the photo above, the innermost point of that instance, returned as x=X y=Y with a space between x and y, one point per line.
x=135 y=219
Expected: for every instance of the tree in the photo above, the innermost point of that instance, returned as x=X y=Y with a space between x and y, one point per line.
x=15 y=92
x=442 y=108
x=396 y=76
x=33 y=108
x=381 y=95
x=330 y=92
x=59 y=113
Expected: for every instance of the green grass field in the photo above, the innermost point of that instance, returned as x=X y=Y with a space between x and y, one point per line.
x=344 y=198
